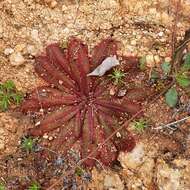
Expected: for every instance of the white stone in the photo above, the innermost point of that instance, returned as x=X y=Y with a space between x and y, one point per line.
x=112 y=91
x=8 y=51
x=50 y=138
x=16 y=59
x=150 y=61
x=45 y=136
x=157 y=59
x=161 y=34
x=113 y=182
x=31 y=50
x=132 y=159
x=35 y=35
x=133 y=42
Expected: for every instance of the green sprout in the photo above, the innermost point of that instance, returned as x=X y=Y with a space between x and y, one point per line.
x=140 y=125
x=28 y=144
x=183 y=75
x=2 y=187
x=8 y=95
x=117 y=76
x=34 y=186
x=79 y=171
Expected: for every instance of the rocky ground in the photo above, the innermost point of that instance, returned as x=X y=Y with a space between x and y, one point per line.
x=161 y=158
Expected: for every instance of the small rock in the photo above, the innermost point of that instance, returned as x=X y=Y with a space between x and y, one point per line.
x=50 y=138
x=121 y=93
x=16 y=59
x=134 y=158
x=167 y=59
x=112 y=91
x=35 y=35
x=160 y=34
x=113 y=182
x=163 y=40
x=64 y=8
x=157 y=59
x=45 y=136
x=19 y=47
x=150 y=61
x=168 y=178
x=31 y=50
x=133 y=42
x=8 y=51
x=53 y=4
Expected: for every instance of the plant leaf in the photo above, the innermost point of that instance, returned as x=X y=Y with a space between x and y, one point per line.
x=171 y=97
x=166 y=67
x=17 y=97
x=186 y=65
x=9 y=85
x=183 y=80
x=5 y=101
x=154 y=75
x=142 y=62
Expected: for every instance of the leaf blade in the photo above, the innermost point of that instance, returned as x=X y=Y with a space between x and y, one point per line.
x=171 y=97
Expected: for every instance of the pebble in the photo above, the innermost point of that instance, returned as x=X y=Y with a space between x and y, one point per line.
x=134 y=158
x=112 y=91
x=133 y=42
x=19 y=47
x=34 y=34
x=113 y=181
x=8 y=51
x=157 y=59
x=16 y=59
x=121 y=93
x=31 y=50
x=53 y=4
x=45 y=136
x=160 y=34
x=150 y=61
x=50 y=138
x=167 y=59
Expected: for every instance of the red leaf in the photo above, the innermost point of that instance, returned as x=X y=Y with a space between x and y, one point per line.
x=130 y=62
x=104 y=49
x=78 y=124
x=87 y=146
x=113 y=106
x=126 y=142
x=55 y=74
x=91 y=126
x=107 y=152
x=54 y=120
x=66 y=137
x=79 y=62
x=131 y=107
x=58 y=58
x=47 y=77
